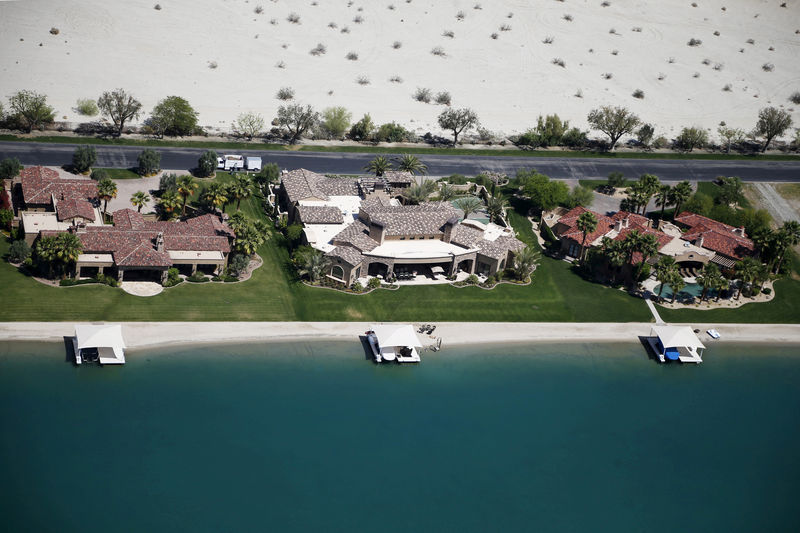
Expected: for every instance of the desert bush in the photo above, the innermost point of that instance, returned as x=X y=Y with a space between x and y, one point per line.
x=318 y=50
x=448 y=33
x=614 y=52
x=494 y=36
x=345 y=30
x=422 y=95
x=352 y=56
x=358 y=19
x=548 y=40
x=396 y=45
x=362 y=80
x=443 y=98
x=605 y=4
x=280 y=64
x=795 y=98
x=637 y=29
x=567 y=17
x=718 y=66
x=750 y=41
x=638 y=93
x=460 y=15
x=396 y=79
x=285 y=93
x=727 y=88
x=333 y=25
x=560 y=62
x=258 y=10
x=691 y=138
x=438 y=51
x=767 y=67
x=694 y=42
x=54 y=31
x=294 y=18
x=392 y=132
x=706 y=61
x=574 y=138
x=212 y=65
x=335 y=121
x=505 y=27
x=660 y=142
x=362 y=130
x=86 y=107
x=607 y=75
x=645 y=134
x=157 y=7
x=612 y=31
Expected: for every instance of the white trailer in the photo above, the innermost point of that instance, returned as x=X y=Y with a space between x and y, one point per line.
x=230 y=162
x=254 y=163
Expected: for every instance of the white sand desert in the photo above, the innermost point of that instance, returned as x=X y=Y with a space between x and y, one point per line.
x=508 y=80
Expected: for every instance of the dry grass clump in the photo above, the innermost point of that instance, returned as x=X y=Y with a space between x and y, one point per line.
x=461 y=15
x=280 y=64
x=294 y=18
x=494 y=36
x=438 y=51
x=637 y=29
x=396 y=79
x=607 y=75
x=443 y=98
x=333 y=25
x=638 y=93
x=560 y=62
x=795 y=97
x=358 y=19
x=318 y=50
x=505 y=27
x=362 y=80
x=422 y=95
x=212 y=65
x=352 y=56
x=285 y=93
x=548 y=40
x=258 y=10
x=694 y=42
x=55 y=31
x=767 y=67
x=448 y=33
x=750 y=41
x=727 y=88
x=396 y=45
x=345 y=30
x=157 y=7
x=567 y=17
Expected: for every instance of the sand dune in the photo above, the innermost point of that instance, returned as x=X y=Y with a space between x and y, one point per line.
x=508 y=80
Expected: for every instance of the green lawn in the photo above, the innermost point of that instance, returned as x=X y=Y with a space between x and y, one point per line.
x=508 y=151
x=273 y=293
x=713 y=190
x=593 y=184
x=121 y=173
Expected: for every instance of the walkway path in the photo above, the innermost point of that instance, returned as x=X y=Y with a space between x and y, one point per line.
x=654 y=311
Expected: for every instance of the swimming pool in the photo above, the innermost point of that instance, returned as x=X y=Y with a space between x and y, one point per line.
x=691 y=290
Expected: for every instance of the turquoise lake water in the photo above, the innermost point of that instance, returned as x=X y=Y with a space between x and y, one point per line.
x=313 y=437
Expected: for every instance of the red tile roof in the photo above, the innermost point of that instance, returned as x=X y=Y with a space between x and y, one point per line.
x=40 y=183
x=71 y=208
x=716 y=236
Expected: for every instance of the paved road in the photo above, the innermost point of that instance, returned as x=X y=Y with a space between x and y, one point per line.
x=438 y=165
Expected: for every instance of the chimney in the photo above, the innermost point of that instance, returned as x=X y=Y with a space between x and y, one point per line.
x=626 y=222
x=448 y=228
x=377 y=231
x=160 y=242
x=699 y=241
x=618 y=226
x=739 y=231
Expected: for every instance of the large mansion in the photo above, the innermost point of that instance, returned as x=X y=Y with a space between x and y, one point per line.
x=365 y=231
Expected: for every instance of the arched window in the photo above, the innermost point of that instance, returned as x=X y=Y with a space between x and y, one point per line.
x=337 y=272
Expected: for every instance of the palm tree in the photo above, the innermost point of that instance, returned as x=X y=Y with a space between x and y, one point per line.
x=677 y=284
x=170 y=201
x=314 y=265
x=525 y=262
x=249 y=237
x=666 y=270
x=446 y=192
x=787 y=236
x=469 y=205
x=106 y=190
x=648 y=247
x=379 y=165
x=67 y=249
x=186 y=185
x=415 y=194
x=45 y=250
x=240 y=188
x=746 y=270
x=587 y=223
x=495 y=206
x=139 y=200
x=410 y=163
x=720 y=284
x=763 y=239
x=615 y=254
x=708 y=278
x=216 y=196
x=664 y=198
x=631 y=244
x=681 y=194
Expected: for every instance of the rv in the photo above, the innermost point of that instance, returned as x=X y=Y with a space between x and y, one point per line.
x=230 y=162
x=254 y=164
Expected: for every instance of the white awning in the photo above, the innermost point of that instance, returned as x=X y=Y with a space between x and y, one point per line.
x=674 y=336
x=105 y=336
x=396 y=336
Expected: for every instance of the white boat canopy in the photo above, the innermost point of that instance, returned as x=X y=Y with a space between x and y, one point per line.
x=106 y=338
x=396 y=336
x=674 y=336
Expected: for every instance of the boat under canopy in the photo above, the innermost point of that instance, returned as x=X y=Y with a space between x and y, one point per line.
x=676 y=343
x=106 y=339
x=394 y=343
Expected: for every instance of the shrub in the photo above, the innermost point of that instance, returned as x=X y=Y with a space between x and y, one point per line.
x=173 y=278
x=767 y=67
x=392 y=132
x=319 y=50
x=168 y=182
x=362 y=80
x=197 y=277
x=766 y=290
x=87 y=107
x=19 y=251
x=285 y=93
x=645 y=273
x=374 y=283
x=560 y=62
x=422 y=95
x=352 y=56
x=99 y=174
x=149 y=162
x=335 y=121
x=83 y=158
x=795 y=98
x=574 y=138
x=362 y=129
x=691 y=138
x=357 y=287
x=207 y=164
x=638 y=93
x=9 y=168
x=443 y=98
x=694 y=42
x=472 y=279
x=396 y=45
x=438 y=51
x=238 y=264
x=294 y=18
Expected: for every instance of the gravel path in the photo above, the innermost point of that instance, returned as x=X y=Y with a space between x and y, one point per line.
x=778 y=207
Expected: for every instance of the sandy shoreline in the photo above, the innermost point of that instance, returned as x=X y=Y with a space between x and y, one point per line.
x=140 y=335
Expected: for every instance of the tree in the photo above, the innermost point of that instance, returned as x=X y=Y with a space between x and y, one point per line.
x=410 y=163
x=297 y=120
x=772 y=122
x=645 y=134
x=647 y=247
x=173 y=116
x=680 y=194
x=392 y=132
x=731 y=191
x=469 y=205
x=746 y=270
x=691 y=138
x=642 y=191
x=676 y=283
x=249 y=236
x=631 y=244
x=495 y=206
x=30 y=109
x=544 y=193
x=362 y=129
x=418 y=192
x=149 y=162
x=83 y=158
x=446 y=192
x=139 y=200
x=249 y=124
x=67 y=249
x=587 y=223
x=787 y=236
x=19 y=251
x=6 y=216
x=99 y=174
x=45 y=252
x=215 y=196
x=9 y=168
x=314 y=263
x=580 y=195
x=666 y=270
x=240 y=188
x=525 y=262
x=708 y=278
x=457 y=121
x=663 y=198
x=379 y=165
x=169 y=202
x=729 y=136
x=763 y=238
x=106 y=190
x=186 y=185
x=269 y=173
x=550 y=130
x=615 y=180
x=613 y=121
x=335 y=121
x=207 y=164
x=120 y=107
